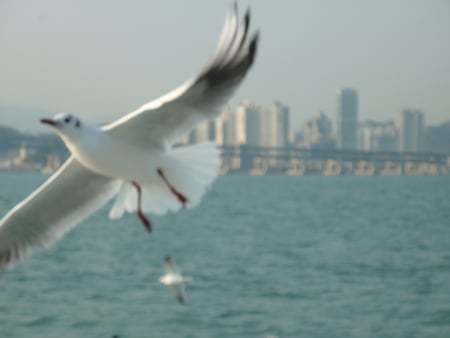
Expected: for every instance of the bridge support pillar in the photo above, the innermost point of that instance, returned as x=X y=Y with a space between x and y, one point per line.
x=365 y=168
x=332 y=168
x=296 y=167
x=392 y=169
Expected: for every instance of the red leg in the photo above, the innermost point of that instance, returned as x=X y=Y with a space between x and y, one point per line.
x=145 y=221
x=183 y=200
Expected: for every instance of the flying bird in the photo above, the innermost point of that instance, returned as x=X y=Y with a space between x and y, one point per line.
x=174 y=280
x=133 y=159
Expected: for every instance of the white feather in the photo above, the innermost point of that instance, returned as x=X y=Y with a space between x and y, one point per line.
x=116 y=158
x=191 y=170
x=62 y=202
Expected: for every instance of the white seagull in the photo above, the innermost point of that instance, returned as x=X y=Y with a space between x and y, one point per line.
x=174 y=280
x=133 y=159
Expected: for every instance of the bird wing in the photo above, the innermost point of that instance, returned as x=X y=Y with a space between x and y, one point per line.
x=170 y=266
x=162 y=121
x=64 y=200
x=178 y=290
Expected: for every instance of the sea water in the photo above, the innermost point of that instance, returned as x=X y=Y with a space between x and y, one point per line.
x=272 y=256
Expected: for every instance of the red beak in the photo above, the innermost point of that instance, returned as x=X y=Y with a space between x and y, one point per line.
x=50 y=122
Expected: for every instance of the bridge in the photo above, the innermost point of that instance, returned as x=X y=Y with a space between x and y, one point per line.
x=330 y=162
x=294 y=161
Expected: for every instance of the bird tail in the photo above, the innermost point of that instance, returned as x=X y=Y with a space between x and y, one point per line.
x=190 y=170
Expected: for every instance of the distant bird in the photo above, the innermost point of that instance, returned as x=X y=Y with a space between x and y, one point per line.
x=174 y=280
x=133 y=159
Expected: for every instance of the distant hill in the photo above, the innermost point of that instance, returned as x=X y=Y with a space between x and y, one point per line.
x=438 y=138
x=24 y=119
x=11 y=139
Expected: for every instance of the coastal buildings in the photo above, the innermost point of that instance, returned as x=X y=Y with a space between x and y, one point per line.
x=347 y=119
x=223 y=126
x=378 y=136
x=275 y=125
x=257 y=137
x=268 y=126
x=247 y=124
x=412 y=131
x=317 y=132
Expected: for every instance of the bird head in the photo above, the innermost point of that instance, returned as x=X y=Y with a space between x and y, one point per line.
x=65 y=124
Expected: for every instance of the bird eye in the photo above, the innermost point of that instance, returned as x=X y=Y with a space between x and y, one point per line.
x=67 y=119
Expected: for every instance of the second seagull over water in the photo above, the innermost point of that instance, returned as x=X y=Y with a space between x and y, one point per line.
x=174 y=280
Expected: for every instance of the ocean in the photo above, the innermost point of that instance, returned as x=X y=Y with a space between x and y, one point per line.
x=271 y=256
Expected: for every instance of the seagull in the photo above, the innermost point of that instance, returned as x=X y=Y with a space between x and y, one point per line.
x=174 y=280
x=134 y=160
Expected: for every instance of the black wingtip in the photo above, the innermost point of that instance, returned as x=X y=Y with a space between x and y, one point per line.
x=247 y=17
x=253 y=47
x=233 y=59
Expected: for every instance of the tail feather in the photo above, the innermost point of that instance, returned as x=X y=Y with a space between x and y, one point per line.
x=191 y=170
x=120 y=203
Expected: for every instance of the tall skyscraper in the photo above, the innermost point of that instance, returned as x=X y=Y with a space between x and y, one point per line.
x=275 y=126
x=412 y=130
x=347 y=119
x=223 y=129
x=247 y=124
x=205 y=131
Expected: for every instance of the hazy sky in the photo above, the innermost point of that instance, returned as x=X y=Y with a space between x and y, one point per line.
x=102 y=59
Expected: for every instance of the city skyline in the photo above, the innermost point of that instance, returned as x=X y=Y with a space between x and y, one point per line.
x=254 y=125
x=394 y=53
x=295 y=126
x=367 y=131
x=255 y=138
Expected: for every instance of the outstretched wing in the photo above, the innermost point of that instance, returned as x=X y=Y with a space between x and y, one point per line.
x=170 y=266
x=178 y=291
x=63 y=201
x=162 y=121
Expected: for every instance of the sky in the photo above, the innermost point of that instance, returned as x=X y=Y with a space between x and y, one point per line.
x=101 y=59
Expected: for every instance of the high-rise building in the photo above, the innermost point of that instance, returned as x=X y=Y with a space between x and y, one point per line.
x=275 y=126
x=247 y=124
x=205 y=131
x=347 y=119
x=223 y=129
x=378 y=136
x=253 y=126
x=412 y=130
x=316 y=132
